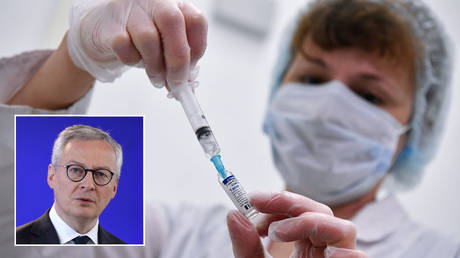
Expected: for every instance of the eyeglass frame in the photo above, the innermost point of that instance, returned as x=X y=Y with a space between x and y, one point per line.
x=86 y=172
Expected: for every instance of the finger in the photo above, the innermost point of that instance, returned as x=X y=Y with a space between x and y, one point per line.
x=125 y=50
x=245 y=240
x=112 y=32
x=197 y=29
x=263 y=221
x=282 y=205
x=302 y=249
x=334 y=252
x=147 y=41
x=286 y=203
x=320 y=229
x=171 y=25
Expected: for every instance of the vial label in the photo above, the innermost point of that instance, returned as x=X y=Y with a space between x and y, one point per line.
x=237 y=194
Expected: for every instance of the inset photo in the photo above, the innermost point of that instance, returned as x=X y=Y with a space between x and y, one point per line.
x=79 y=180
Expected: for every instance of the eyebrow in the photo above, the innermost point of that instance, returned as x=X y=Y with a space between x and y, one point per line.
x=84 y=165
x=382 y=86
x=370 y=77
x=76 y=163
x=317 y=61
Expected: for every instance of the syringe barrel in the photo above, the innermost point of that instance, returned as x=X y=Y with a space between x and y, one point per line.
x=195 y=115
x=187 y=98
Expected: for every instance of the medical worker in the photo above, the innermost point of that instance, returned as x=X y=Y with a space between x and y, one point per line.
x=357 y=104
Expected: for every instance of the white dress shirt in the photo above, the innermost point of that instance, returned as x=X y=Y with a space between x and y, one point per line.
x=66 y=233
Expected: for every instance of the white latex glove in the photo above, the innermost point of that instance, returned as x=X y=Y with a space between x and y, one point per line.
x=166 y=37
x=291 y=217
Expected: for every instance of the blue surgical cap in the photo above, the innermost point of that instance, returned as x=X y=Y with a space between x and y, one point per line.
x=433 y=75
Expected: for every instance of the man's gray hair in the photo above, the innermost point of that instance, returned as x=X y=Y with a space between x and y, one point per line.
x=85 y=132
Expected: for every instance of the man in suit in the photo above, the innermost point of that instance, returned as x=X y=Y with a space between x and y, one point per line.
x=84 y=175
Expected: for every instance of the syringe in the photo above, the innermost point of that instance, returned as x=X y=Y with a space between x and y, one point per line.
x=208 y=142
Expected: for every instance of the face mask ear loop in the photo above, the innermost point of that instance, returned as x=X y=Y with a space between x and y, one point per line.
x=404 y=130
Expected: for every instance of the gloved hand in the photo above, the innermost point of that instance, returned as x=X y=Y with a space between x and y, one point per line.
x=165 y=36
x=291 y=217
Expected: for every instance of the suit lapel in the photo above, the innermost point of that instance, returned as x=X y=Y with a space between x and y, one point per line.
x=44 y=231
x=102 y=236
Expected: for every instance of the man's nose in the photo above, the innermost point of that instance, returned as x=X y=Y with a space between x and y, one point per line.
x=87 y=182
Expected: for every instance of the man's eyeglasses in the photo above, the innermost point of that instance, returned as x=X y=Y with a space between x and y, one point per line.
x=76 y=173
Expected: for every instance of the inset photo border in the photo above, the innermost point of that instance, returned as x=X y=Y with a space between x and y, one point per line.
x=124 y=216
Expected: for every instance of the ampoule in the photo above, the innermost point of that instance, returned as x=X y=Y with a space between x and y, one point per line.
x=234 y=189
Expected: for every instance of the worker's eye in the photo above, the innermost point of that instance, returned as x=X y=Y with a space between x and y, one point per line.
x=312 y=79
x=371 y=98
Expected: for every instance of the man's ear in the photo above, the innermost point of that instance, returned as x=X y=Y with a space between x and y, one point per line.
x=115 y=187
x=51 y=173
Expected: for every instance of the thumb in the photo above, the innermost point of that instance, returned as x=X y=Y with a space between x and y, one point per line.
x=245 y=239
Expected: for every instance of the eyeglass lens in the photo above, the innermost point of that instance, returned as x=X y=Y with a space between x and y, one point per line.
x=77 y=173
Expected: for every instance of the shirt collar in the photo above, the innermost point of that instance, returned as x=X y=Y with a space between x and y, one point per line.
x=379 y=219
x=66 y=233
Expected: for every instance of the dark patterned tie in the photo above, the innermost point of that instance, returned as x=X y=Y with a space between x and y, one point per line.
x=81 y=240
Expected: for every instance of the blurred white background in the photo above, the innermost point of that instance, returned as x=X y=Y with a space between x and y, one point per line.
x=235 y=76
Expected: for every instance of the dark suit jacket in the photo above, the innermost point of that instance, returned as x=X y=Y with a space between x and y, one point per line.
x=42 y=231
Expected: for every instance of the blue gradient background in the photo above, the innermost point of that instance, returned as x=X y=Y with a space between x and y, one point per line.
x=35 y=136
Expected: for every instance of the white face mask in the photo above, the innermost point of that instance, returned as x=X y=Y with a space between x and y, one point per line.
x=328 y=143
